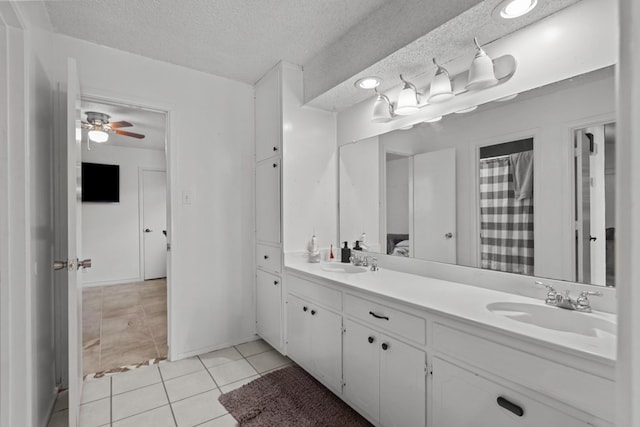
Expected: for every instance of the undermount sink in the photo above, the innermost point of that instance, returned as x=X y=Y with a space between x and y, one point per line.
x=555 y=318
x=342 y=268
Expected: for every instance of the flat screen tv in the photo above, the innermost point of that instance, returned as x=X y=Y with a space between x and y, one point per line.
x=100 y=183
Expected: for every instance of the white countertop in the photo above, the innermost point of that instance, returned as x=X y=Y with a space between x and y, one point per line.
x=466 y=302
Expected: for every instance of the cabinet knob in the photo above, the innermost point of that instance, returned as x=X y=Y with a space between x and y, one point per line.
x=313 y=312
x=305 y=308
x=275 y=165
x=275 y=282
x=275 y=148
x=371 y=340
x=385 y=346
x=266 y=257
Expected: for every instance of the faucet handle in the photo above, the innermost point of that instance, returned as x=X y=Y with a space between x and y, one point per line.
x=590 y=293
x=552 y=294
x=549 y=287
x=374 y=264
x=582 y=303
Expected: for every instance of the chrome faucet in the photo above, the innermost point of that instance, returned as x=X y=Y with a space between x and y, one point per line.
x=357 y=259
x=565 y=301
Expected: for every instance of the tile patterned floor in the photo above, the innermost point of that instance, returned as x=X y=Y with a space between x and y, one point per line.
x=183 y=393
x=124 y=325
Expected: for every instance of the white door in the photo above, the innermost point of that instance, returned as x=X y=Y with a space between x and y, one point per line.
x=434 y=206
x=326 y=345
x=269 y=308
x=154 y=223
x=583 y=207
x=298 y=333
x=268 y=201
x=361 y=367
x=74 y=239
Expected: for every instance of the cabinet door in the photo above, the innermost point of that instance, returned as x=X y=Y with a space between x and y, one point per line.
x=269 y=307
x=268 y=116
x=268 y=201
x=402 y=384
x=361 y=367
x=298 y=330
x=462 y=398
x=326 y=346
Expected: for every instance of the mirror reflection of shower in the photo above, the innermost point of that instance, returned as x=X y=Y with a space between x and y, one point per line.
x=594 y=175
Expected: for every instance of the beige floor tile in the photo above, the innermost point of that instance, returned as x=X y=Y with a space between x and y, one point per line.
x=123 y=288
x=123 y=355
x=91 y=329
x=198 y=409
x=189 y=385
x=91 y=360
x=230 y=387
x=253 y=347
x=159 y=417
x=123 y=323
x=171 y=370
x=223 y=421
x=268 y=360
x=136 y=378
x=62 y=401
x=138 y=401
x=96 y=413
x=232 y=372
x=96 y=389
x=220 y=357
x=155 y=307
x=162 y=348
x=119 y=311
x=153 y=298
x=59 y=419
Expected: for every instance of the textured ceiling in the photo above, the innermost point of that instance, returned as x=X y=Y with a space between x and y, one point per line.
x=450 y=41
x=238 y=39
x=151 y=124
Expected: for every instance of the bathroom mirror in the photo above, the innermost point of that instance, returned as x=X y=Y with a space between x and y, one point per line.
x=422 y=192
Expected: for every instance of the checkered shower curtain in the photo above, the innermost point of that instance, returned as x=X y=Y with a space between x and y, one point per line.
x=506 y=229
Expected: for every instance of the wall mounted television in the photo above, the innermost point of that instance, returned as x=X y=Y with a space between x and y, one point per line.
x=100 y=183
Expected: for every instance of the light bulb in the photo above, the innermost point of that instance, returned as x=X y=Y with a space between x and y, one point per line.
x=98 y=135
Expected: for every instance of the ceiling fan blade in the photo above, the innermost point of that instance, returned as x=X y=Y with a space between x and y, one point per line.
x=120 y=124
x=131 y=134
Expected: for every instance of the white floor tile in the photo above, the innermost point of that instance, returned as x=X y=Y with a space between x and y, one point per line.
x=223 y=421
x=159 y=417
x=189 y=385
x=232 y=372
x=275 y=369
x=230 y=387
x=267 y=361
x=138 y=401
x=181 y=367
x=136 y=378
x=59 y=419
x=220 y=357
x=198 y=409
x=62 y=401
x=96 y=413
x=96 y=389
x=253 y=347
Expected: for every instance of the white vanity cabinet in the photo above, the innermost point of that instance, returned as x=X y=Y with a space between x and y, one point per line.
x=314 y=339
x=269 y=307
x=268 y=201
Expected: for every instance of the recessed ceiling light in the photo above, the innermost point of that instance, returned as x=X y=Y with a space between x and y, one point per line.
x=509 y=9
x=435 y=119
x=368 y=82
x=467 y=110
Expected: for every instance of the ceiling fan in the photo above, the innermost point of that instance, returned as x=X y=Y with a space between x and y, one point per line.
x=99 y=127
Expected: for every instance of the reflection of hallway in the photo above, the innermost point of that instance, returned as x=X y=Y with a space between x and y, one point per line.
x=124 y=325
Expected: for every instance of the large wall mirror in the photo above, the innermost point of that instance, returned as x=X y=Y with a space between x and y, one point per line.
x=523 y=185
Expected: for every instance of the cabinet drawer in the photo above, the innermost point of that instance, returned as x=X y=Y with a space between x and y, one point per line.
x=462 y=398
x=589 y=392
x=398 y=322
x=268 y=258
x=314 y=292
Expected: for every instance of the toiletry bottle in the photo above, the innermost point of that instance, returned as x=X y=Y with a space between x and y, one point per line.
x=363 y=242
x=331 y=257
x=346 y=253
x=357 y=247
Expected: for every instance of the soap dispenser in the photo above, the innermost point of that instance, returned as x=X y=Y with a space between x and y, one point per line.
x=345 y=253
x=357 y=247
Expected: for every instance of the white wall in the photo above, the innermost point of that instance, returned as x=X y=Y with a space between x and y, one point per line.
x=397 y=211
x=210 y=153
x=111 y=231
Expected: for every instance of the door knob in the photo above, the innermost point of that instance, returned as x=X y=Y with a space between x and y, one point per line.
x=85 y=263
x=59 y=265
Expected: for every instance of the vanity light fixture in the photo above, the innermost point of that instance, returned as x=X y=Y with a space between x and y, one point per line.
x=481 y=72
x=506 y=98
x=406 y=127
x=370 y=82
x=433 y=120
x=98 y=135
x=440 y=88
x=510 y=9
x=467 y=110
x=382 y=109
x=408 y=99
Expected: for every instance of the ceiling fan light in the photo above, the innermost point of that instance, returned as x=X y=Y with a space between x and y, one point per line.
x=98 y=135
x=481 y=72
x=440 y=88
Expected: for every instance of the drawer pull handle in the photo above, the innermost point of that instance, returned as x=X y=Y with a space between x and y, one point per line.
x=510 y=406
x=305 y=308
x=377 y=316
x=266 y=257
x=313 y=312
x=385 y=346
x=371 y=340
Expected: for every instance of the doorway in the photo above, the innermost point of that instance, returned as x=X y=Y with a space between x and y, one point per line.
x=124 y=229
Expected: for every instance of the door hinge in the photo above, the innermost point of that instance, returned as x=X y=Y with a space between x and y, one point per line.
x=343 y=385
x=428 y=369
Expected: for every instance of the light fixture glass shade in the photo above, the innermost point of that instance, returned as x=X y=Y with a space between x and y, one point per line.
x=98 y=135
x=382 y=110
x=433 y=120
x=407 y=100
x=481 y=73
x=440 y=89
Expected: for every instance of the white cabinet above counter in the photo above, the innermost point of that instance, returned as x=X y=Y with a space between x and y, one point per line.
x=456 y=340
